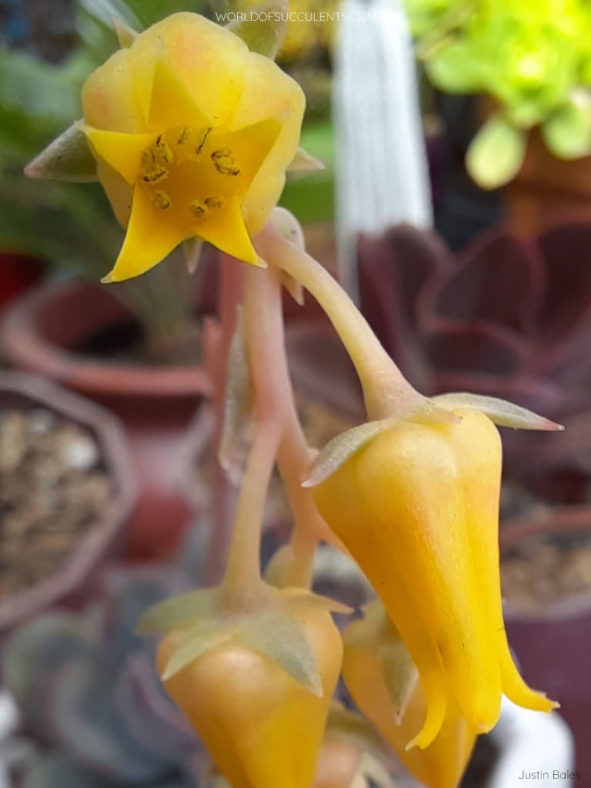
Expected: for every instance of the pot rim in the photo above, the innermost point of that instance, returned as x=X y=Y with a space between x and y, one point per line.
x=102 y=535
x=25 y=346
x=559 y=519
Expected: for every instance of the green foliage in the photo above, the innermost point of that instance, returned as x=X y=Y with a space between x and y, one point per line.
x=73 y=226
x=533 y=57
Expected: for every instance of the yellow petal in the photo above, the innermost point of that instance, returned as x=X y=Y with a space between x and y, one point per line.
x=151 y=235
x=171 y=104
x=268 y=92
x=122 y=152
x=119 y=192
x=478 y=451
x=208 y=60
x=251 y=146
x=411 y=536
x=225 y=230
x=109 y=97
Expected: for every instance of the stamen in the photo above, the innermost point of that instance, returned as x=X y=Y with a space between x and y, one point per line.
x=206 y=134
x=183 y=136
x=198 y=209
x=155 y=174
x=224 y=162
x=214 y=201
x=162 y=200
x=164 y=152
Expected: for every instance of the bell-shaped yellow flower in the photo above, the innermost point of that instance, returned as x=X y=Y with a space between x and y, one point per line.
x=417 y=507
x=263 y=728
x=382 y=680
x=192 y=134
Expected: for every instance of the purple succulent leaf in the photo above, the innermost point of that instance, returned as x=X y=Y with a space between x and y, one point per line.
x=536 y=394
x=57 y=771
x=89 y=726
x=312 y=348
x=397 y=273
x=566 y=310
x=127 y=594
x=499 y=279
x=152 y=718
x=36 y=653
x=480 y=348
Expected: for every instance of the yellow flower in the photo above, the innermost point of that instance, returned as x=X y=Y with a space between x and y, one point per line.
x=381 y=678
x=262 y=727
x=417 y=506
x=192 y=134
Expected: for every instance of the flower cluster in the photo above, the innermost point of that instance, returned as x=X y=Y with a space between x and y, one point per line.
x=191 y=133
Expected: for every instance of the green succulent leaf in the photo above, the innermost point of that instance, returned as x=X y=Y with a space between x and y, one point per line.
x=67 y=158
x=264 y=35
x=567 y=132
x=496 y=153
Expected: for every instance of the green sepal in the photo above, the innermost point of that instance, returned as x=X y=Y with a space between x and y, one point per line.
x=338 y=450
x=126 y=35
x=496 y=153
x=400 y=674
x=203 y=636
x=265 y=35
x=302 y=599
x=503 y=413
x=179 y=612
x=305 y=162
x=192 y=248
x=282 y=639
x=67 y=158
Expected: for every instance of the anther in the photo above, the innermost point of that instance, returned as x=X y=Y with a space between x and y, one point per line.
x=198 y=209
x=224 y=162
x=162 y=200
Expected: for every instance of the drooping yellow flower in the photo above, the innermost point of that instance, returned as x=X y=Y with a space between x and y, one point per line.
x=192 y=134
x=417 y=506
x=262 y=726
x=381 y=678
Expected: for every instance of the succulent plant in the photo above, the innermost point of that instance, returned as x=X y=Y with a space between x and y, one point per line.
x=533 y=58
x=505 y=317
x=89 y=693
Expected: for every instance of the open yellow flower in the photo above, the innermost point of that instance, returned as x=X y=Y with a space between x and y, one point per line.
x=192 y=134
x=417 y=506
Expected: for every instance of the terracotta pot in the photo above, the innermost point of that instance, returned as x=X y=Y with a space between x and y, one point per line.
x=40 y=333
x=547 y=190
x=17 y=273
x=105 y=538
x=554 y=646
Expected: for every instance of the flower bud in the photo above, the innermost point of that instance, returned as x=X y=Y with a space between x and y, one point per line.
x=262 y=727
x=376 y=671
x=417 y=507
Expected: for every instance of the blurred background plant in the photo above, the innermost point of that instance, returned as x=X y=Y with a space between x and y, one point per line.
x=72 y=225
x=92 y=707
x=532 y=59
